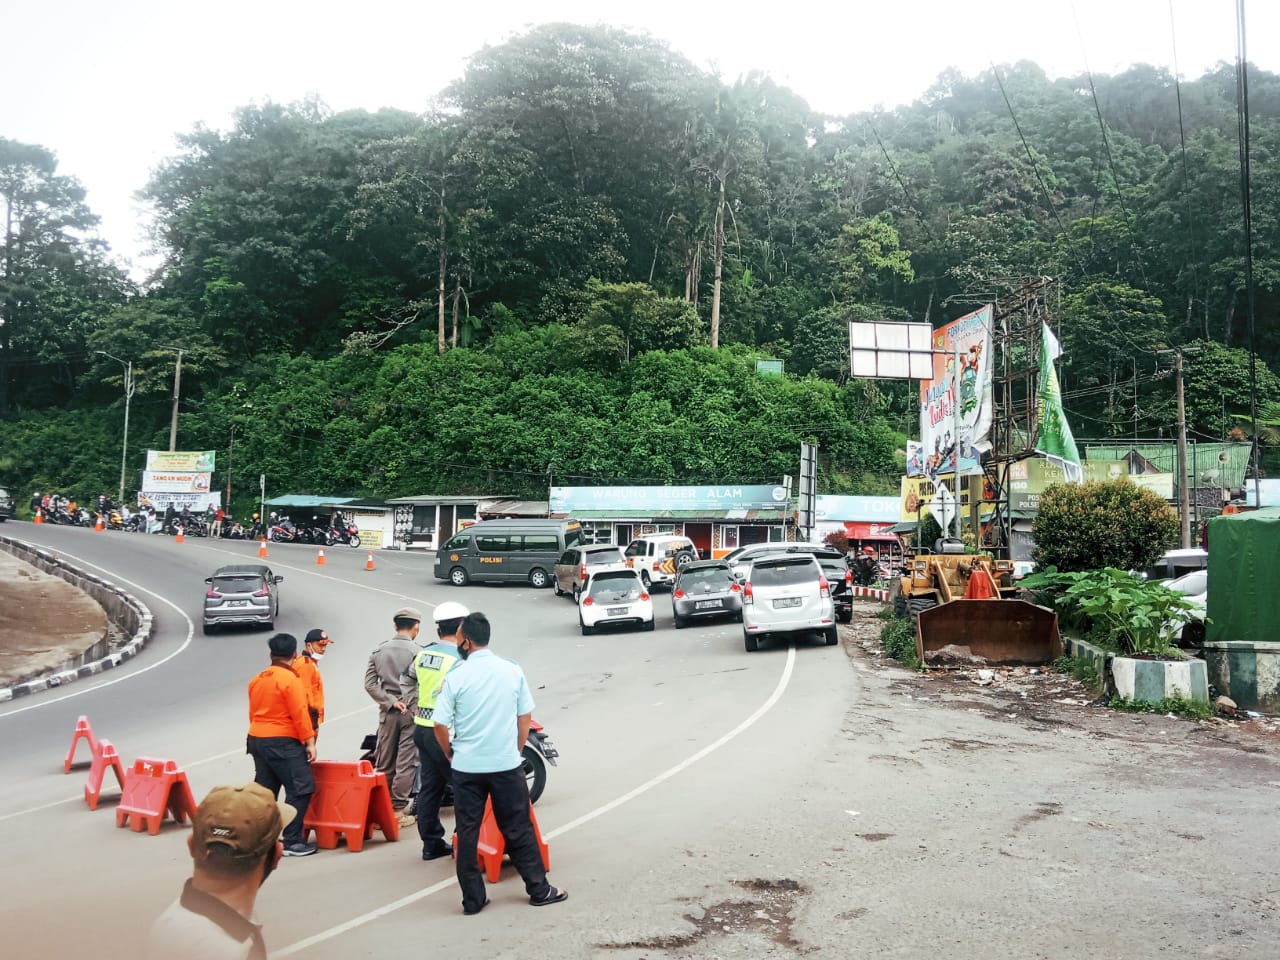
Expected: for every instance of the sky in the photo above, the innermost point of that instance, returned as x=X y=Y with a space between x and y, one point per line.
x=109 y=85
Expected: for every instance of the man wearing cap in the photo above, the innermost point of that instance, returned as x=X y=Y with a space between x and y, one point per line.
x=282 y=739
x=419 y=687
x=235 y=845
x=307 y=667
x=395 y=754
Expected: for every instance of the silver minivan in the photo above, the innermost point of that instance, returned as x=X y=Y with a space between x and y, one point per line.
x=577 y=564
x=786 y=593
x=243 y=593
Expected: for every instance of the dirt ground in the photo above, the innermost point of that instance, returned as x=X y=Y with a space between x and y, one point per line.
x=44 y=621
x=1040 y=697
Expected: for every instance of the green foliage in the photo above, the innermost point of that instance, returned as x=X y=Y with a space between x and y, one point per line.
x=1123 y=612
x=898 y=637
x=1187 y=709
x=1081 y=669
x=1094 y=525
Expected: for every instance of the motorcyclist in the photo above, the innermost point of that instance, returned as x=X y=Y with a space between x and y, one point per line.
x=866 y=567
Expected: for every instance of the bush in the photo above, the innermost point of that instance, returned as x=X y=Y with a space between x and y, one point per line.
x=1098 y=525
x=899 y=640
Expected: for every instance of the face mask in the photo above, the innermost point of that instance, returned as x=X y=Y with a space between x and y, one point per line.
x=317 y=657
x=462 y=650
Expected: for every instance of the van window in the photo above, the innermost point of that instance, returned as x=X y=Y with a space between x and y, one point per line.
x=637 y=548
x=572 y=535
x=491 y=543
x=546 y=542
x=782 y=574
x=457 y=541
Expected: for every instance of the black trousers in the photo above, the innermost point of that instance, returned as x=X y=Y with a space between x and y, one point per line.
x=434 y=771
x=282 y=762
x=510 y=795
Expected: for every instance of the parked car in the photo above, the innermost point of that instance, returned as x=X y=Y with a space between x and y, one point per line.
x=506 y=550
x=786 y=593
x=657 y=556
x=615 y=598
x=840 y=577
x=705 y=588
x=577 y=564
x=742 y=558
x=6 y=505
x=1195 y=587
x=242 y=593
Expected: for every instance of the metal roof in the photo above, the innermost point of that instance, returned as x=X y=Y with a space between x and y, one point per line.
x=306 y=500
x=432 y=499
x=516 y=508
x=1204 y=467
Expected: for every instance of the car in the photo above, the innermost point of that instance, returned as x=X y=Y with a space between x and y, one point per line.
x=581 y=560
x=1194 y=586
x=6 y=505
x=741 y=558
x=786 y=593
x=840 y=576
x=615 y=598
x=705 y=588
x=657 y=556
x=243 y=593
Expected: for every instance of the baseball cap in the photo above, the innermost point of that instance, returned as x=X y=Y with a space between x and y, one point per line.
x=244 y=816
x=317 y=635
x=407 y=613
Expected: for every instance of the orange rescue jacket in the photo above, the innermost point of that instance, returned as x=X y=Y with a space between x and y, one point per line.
x=309 y=672
x=278 y=705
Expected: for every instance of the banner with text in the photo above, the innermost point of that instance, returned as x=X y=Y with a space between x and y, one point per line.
x=154 y=481
x=181 y=461
x=971 y=336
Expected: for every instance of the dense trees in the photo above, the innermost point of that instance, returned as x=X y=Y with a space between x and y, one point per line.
x=570 y=263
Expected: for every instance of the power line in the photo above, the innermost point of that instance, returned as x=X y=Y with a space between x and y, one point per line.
x=1186 y=175
x=1242 y=118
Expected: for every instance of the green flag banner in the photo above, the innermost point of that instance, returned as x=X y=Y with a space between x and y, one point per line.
x=1053 y=434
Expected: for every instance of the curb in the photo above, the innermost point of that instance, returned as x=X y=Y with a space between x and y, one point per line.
x=122 y=608
x=871 y=593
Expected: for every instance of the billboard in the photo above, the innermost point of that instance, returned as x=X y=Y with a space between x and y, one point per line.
x=1028 y=479
x=186 y=461
x=155 y=481
x=649 y=501
x=971 y=336
x=918 y=494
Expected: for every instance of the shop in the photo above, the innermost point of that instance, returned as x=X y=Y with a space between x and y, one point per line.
x=374 y=518
x=716 y=518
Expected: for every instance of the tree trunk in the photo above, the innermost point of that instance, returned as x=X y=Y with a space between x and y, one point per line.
x=444 y=265
x=457 y=296
x=719 y=255
x=1228 y=321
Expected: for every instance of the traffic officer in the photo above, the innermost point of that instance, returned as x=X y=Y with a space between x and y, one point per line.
x=307 y=667
x=395 y=754
x=419 y=686
x=486 y=700
x=282 y=739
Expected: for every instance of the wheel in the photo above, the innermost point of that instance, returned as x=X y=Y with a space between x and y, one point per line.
x=577 y=594
x=538 y=578
x=680 y=622
x=900 y=605
x=459 y=577
x=330 y=539
x=916 y=604
x=535 y=772
x=750 y=641
x=845 y=616
x=206 y=628
x=555 y=585
x=645 y=579
x=586 y=631
x=683 y=558
x=831 y=635
x=355 y=541
x=649 y=625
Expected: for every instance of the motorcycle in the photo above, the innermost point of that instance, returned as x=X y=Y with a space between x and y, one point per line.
x=347 y=534
x=283 y=532
x=538 y=752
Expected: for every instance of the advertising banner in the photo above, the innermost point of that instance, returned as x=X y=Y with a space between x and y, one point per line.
x=650 y=501
x=1029 y=478
x=918 y=494
x=180 y=461
x=155 y=481
x=1161 y=484
x=971 y=335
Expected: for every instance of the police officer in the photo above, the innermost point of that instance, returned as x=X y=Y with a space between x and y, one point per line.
x=419 y=685
x=395 y=754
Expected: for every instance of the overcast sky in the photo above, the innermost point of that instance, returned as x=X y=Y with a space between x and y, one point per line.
x=107 y=85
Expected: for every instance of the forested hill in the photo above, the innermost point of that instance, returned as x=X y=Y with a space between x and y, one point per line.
x=570 y=267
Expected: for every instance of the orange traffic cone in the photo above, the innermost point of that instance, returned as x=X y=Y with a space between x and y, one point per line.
x=182 y=537
x=39 y=516
x=262 y=549
x=97 y=524
x=320 y=561
x=368 y=564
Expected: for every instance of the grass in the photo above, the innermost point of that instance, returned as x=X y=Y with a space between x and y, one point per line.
x=1079 y=668
x=1187 y=709
x=898 y=637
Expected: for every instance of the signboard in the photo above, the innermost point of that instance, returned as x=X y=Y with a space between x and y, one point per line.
x=154 y=481
x=181 y=461
x=1160 y=484
x=643 y=502
x=918 y=494
x=1028 y=479
x=971 y=335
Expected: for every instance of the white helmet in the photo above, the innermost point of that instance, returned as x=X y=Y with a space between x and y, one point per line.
x=449 y=610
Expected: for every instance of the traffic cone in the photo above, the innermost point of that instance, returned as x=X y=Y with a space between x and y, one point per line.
x=262 y=549
x=181 y=538
x=39 y=516
x=320 y=561
x=368 y=564
x=97 y=524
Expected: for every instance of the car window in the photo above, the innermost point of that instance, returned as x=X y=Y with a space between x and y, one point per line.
x=782 y=574
x=636 y=548
x=248 y=584
x=595 y=558
x=572 y=535
x=493 y=544
x=610 y=586
x=568 y=558
x=540 y=541
x=838 y=567
x=1192 y=583
x=457 y=542
x=706 y=576
x=669 y=548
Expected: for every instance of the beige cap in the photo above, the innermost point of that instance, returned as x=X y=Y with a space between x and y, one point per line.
x=408 y=613
x=245 y=816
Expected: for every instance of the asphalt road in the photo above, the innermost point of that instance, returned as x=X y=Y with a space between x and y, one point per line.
x=708 y=803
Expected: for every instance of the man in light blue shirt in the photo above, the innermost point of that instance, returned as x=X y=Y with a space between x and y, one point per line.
x=482 y=719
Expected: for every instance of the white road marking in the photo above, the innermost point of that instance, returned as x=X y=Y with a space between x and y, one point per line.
x=645 y=787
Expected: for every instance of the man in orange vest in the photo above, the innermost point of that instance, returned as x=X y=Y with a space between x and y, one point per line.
x=282 y=738
x=307 y=667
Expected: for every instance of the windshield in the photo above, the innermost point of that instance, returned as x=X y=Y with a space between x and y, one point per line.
x=457 y=542
x=783 y=574
x=596 y=558
x=610 y=587
x=246 y=584
x=710 y=577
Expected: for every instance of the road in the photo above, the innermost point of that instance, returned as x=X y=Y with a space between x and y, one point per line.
x=709 y=803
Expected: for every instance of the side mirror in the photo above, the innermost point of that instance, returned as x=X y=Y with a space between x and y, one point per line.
x=277 y=579
x=208 y=579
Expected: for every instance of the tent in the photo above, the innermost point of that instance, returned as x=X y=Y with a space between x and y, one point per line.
x=1244 y=561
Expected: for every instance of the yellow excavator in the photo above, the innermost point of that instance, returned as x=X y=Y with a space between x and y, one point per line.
x=966 y=607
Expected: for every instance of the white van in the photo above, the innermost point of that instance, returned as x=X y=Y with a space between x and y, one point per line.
x=656 y=557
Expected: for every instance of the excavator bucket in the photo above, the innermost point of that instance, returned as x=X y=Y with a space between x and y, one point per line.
x=998 y=631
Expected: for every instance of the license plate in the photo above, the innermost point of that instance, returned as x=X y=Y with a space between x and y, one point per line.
x=707 y=605
x=616 y=611
x=237 y=603
x=783 y=602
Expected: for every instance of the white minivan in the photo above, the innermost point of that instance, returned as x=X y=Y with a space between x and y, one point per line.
x=787 y=593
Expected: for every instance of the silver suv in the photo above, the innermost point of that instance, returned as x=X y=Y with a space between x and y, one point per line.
x=742 y=558
x=246 y=593
x=786 y=593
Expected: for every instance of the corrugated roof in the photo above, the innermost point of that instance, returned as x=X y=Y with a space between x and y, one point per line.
x=306 y=500
x=515 y=508
x=1203 y=464
x=431 y=499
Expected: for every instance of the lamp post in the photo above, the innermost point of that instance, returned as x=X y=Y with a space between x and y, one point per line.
x=128 y=394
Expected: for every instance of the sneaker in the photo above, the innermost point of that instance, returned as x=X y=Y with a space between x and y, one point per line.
x=406 y=817
x=300 y=849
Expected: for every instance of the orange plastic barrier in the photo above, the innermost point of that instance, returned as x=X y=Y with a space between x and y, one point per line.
x=83 y=732
x=320 y=561
x=153 y=788
x=262 y=549
x=492 y=846
x=104 y=758
x=351 y=799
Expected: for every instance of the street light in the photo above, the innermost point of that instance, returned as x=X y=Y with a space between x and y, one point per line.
x=128 y=394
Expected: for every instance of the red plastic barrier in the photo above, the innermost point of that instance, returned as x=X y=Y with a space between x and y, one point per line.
x=351 y=799
x=83 y=732
x=104 y=758
x=492 y=846
x=153 y=788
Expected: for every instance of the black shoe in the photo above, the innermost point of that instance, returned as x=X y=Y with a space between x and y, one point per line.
x=300 y=849
x=437 y=851
x=551 y=896
x=472 y=913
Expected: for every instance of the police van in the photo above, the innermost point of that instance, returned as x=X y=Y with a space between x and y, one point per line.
x=506 y=550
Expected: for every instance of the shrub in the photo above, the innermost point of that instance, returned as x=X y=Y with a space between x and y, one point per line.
x=899 y=640
x=837 y=540
x=1081 y=669
x=1187 y=709
x=1098 y=525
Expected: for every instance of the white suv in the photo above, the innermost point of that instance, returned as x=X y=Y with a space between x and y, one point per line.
x=786 y=593
x=656 y=557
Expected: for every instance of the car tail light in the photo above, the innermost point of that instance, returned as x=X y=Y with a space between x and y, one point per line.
x=656 y=565
x=824 y=588
x=213 y=594
x=679 y=594
x=848 y=578
x=264 y=592
x=644 y=595
x=734 y=588
x=587 y=601
x=746 y=593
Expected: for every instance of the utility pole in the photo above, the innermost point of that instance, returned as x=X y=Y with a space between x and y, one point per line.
x=177 y=381
x=128 y=395
x=1184 y=510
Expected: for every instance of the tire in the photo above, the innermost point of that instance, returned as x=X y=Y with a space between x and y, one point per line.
x=459 y=577
x=330 y=539
x=750 y=641
x=586 y=631
x=845 y=617
x=900 y=605
x=555 y=585
x=650 y=625
x=355 y=541
x=916 y=604
x=538 y=579
x=683 y=558
x=646 y=579
x=535 y=772
x=831 y=635
x=681 y=622
x=577 y=594
x=206 y=629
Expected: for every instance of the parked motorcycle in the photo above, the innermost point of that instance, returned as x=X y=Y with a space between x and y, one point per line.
x=347 y=533
x=283 y=531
